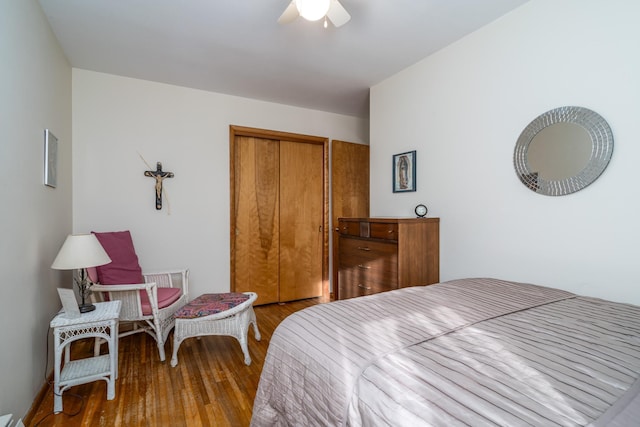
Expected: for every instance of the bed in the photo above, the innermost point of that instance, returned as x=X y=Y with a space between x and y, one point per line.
x=472 y=352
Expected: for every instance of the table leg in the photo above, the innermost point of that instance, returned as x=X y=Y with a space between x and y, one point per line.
x=57 y=394
x=113 y=357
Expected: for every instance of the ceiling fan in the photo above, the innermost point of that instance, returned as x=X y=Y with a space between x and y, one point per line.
x=314 y=10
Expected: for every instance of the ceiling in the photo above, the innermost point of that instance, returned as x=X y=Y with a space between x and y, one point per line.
x=236 y=47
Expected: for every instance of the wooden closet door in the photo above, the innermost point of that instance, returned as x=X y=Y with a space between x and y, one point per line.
x=279 y=179
x=301 y=220
x=256 y=250
x=349 y=190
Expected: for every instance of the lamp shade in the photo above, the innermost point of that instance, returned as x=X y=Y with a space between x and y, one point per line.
x=80 y=251
x=312 y=10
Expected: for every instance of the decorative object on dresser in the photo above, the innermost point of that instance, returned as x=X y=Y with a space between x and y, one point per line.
x=79 y=252
x=381 y=254
x=404 y=172
x=421 y=210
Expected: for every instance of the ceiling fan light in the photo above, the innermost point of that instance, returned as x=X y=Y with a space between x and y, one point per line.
x=313 y=10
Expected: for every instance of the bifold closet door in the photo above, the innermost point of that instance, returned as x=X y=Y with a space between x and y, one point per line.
x=301 y=220
x=257 y=209
x=279 y=236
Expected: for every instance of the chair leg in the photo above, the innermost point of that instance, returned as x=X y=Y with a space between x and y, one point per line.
x=176 y=346
x=245 y=347
x=252 y=319
x=159 y=338
x=161 y=350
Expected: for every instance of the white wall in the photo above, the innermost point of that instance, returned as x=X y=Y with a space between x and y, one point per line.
x=463 y=109
x=115 y=118
x=35 y=83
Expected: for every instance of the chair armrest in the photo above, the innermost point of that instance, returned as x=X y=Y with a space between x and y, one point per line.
x=178 y=278
x=130 y=296
x=121 y=288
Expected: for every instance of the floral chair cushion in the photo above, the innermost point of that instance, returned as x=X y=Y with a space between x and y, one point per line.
x=208 y=304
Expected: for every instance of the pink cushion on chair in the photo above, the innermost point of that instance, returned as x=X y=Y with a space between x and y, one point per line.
x=166 y=297
x=124 y=268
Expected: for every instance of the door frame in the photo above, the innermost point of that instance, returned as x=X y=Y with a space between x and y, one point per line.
x=235 y=131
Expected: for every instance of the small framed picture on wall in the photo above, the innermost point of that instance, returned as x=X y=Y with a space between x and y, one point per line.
x=50 y=159
x=404 y=172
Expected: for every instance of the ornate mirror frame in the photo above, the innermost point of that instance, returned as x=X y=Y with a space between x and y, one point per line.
x=601 y=150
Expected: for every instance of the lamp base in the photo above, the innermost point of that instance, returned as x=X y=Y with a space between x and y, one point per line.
x=85 y=308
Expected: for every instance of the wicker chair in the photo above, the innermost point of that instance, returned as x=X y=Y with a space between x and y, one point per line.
x=150 y=305
x=159 y=322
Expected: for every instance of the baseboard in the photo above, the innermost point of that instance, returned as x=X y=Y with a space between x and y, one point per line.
x=28 y=418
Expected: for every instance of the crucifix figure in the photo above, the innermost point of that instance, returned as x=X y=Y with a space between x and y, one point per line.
x=159 y=175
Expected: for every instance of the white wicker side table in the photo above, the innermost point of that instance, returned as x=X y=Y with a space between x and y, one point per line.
x=100 y=323
x=217 y=314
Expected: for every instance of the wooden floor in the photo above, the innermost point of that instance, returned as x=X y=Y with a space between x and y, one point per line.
x=211 y=386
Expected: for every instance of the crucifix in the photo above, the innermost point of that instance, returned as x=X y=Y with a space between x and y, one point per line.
x=159 y=175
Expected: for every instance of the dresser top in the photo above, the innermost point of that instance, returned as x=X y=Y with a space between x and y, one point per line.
x=390 y=220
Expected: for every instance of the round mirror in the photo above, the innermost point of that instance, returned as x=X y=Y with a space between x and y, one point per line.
x=563 y=150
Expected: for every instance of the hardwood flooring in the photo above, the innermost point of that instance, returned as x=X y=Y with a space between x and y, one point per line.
x=211 y=386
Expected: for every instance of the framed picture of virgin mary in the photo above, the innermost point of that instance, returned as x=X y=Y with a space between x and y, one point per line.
x=404 y=172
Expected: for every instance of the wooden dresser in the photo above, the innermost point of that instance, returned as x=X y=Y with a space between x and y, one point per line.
x=381 y=254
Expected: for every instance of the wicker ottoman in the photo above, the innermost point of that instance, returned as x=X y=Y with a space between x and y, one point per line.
x=216 y=314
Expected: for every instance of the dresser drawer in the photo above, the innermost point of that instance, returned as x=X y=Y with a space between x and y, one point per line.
x=366 y=267
x=354 y=283
x=378 y=258
x=364 y=249
x=373 y=273
x=369 y=229
x=364 y=280
x=349 y=228
x=383 y=230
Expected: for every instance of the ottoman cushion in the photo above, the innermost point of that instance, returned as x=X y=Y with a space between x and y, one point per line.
x=208 y=304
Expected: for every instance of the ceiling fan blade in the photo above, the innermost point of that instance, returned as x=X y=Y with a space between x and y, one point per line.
x=337 y=14
x=289 y=14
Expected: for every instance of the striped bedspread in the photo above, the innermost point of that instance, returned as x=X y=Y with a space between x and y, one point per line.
x=473 y=352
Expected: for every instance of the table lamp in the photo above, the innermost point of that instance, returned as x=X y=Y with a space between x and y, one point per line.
x=79 y=252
